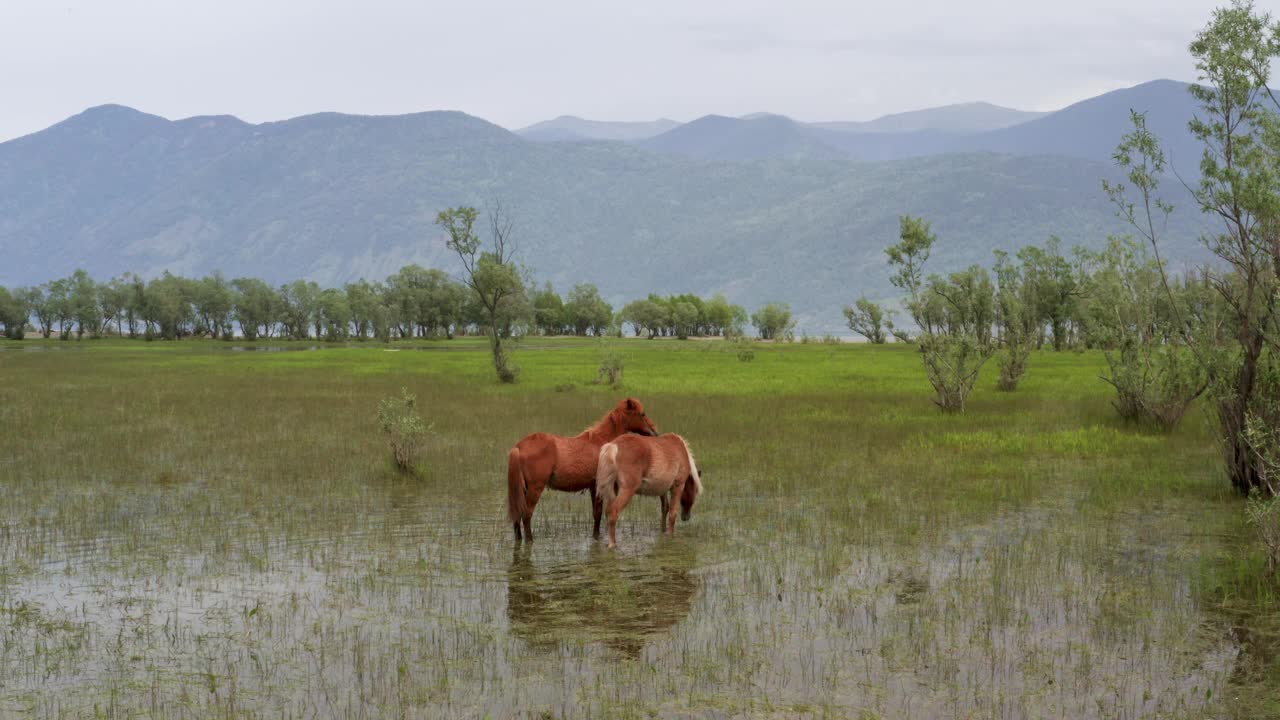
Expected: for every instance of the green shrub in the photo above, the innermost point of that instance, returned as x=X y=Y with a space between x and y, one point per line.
x=398 y=417
x=610 y=370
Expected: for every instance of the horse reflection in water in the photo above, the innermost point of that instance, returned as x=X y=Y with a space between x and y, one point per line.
x=623 y=602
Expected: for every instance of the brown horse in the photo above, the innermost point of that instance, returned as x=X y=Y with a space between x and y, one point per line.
x=634 y=465
x=543 y=460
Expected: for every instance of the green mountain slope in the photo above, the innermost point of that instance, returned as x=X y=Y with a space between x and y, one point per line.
x=336 y=197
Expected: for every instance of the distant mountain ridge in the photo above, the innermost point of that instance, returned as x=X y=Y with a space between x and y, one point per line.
x=971 y=117
x=959 y=118
x=1089 y=129
x=334 y=197
x=573 y=129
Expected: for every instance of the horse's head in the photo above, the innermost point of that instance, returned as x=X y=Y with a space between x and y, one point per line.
x=692 y=488
x=631 y=412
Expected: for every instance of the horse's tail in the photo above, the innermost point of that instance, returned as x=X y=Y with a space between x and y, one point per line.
x=516 y=485
x=607 y=475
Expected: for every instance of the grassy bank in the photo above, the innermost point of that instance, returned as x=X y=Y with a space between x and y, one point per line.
x=194 y=529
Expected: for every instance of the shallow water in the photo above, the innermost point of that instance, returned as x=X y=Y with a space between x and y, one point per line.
x=421 y=612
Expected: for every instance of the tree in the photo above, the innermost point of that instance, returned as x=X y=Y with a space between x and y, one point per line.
x=773 y=322
x=549 y=311
x=213 y=302
x=867 y=319
x=491 y=275
x=135 y=302
x=1154 y=376
x=1053 y=284
x=725 y=318
x=335 y=314
x=954 y=315
x=255 y=306
x=82 y=299
x=363 y=301
x=42 y=307
x=585 y=311
x=14 y=313
x=915 y=242
x=1239 y=186
x=168 y=306
x=644 y=316
x=1017 y=320
x=113 y=298
x=58 y=299
x=425 y=302
x=445 y=299
x=299 y=304
x=684 y=316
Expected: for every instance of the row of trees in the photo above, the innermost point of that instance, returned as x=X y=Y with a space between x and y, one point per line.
x=414 y=302
x=1118 y=299
x=1168 y=338
x=1050 y=289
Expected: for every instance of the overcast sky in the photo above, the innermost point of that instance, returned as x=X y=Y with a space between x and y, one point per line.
x=515 y=63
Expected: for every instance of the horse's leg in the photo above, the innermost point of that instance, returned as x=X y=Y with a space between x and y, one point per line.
x=665 y=499
x=597 y=509
x=530 y=502
x=676 y=490
x=625 y=491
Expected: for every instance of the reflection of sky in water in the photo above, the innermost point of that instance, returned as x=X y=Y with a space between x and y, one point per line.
x=427 y=609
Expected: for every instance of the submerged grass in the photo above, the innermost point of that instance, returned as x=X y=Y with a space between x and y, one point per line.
x=196 y=530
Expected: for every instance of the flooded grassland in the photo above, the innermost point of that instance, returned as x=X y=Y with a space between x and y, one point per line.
x=190 y=532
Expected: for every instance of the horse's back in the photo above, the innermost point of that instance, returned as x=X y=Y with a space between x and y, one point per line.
x=566 y=463
x=664 y=458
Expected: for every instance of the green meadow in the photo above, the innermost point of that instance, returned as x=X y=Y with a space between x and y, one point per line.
x=209 y=529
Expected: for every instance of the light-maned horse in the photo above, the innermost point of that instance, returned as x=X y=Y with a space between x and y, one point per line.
x=543 y=460
x=634 y=465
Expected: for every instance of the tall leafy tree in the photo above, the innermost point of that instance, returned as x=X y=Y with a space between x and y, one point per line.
x=1239 y=187
x=490 y=273
x=867 y=319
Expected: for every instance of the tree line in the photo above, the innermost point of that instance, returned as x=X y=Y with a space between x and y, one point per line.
x=1168 y=338
x=415 y=302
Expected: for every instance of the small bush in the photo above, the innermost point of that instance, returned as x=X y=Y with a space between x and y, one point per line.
x=398 y=417
x=1154 y=385
x=1263 y=513
x=953 y=364
x=1012 y=362
x=610 y=370
x=743 y=347
x=565 y=387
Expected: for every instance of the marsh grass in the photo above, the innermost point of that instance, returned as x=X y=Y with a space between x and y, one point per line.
x=191 y=531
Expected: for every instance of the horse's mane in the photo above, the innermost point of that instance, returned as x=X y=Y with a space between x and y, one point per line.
x=693 y=464
x=610 y=422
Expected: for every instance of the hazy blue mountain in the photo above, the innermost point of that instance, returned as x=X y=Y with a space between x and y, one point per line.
x=970 y=117
x=754 y=137
x=336 y=197
x=568 y=128
x=1092 y=128
x=1089 y=129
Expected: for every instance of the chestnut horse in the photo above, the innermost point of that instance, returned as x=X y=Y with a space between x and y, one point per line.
x=659 y=465
x=543 y=460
